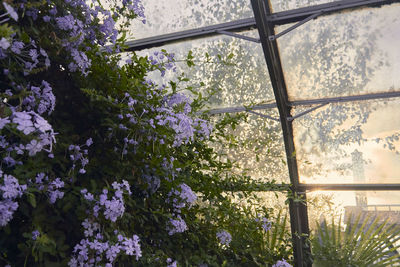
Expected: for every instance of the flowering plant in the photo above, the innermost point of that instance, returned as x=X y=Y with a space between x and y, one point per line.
x=100 y=166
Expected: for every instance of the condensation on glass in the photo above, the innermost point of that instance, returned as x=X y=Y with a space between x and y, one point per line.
x=258 y=151
x=348 y=205
x=279 y=5
x=234 y=70
x=349 y=53
x=356 y=142
x=177 y=15
x=272 y=203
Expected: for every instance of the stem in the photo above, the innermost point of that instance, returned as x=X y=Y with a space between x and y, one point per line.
x=4 y=20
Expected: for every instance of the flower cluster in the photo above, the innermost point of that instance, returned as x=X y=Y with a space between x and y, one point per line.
x=29 y=55
x=113 y=207
x=163 y=61
x=51 y=187
x=28 y=123
x=182 y=197
x=79 y=155
x=10 y=189
x=35 y=234
x=171 y=263
x=95 y=249
x=41 y=100
x=175 y=114
x=224 y=237
x=42 y=137
x=265 y=223
x=282 y=263
x=177 y=225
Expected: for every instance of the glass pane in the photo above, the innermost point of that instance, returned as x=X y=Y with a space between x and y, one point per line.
x=233 y=69
x=279 y=5
x=360 y=228
x=272 y=202
x=349 y=204
x=177 y=15
x=349 y=53
x=355 y=142
x=258 y=150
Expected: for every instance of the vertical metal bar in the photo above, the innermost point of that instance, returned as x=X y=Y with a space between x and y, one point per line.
x=298 y=210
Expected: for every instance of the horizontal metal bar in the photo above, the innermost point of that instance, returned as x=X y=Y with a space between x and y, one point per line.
x=247 y=38
x=276 y=36
x=296 y=15
x=309 y=102
x=344 y=99
x=202 y=32
x=239 y=109
x=327 y=187
x=350 y=187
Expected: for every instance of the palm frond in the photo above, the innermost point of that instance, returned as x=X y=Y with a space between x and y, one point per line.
x=365 y=242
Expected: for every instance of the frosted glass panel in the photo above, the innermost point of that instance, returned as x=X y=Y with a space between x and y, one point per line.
x=234 y=69
x=176 y=15
x=259 y=150
x=349 y=53
x=349 y=143
x=345 y=204
x=279 y=5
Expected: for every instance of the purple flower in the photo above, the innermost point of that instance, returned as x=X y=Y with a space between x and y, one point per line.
x=3 y=122
x=41 y=124
x=176 y=226
x=4 y=43
x=11 y=188
x=24 y=121
x=224 y=237
x=35 y=234
x=89 y=142
x=17 y=46
x=112 y=252
x=10 y=11
x=46 y=18
x=34 y=147
x=7 y=208
x=66 y=23
x=53 y=11
x=171 y=263
x=33 y=54
x=281 y=263
x=132 y=246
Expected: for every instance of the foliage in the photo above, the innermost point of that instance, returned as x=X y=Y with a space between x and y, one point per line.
x=364 y=242
x=99 y=164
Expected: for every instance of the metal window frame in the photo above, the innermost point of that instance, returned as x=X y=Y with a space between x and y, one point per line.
x=199 y=33
x=297 y=210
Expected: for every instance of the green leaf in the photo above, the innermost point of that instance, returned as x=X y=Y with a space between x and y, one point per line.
x=32 y=199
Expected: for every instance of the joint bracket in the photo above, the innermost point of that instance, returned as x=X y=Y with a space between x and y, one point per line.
x=313 y=16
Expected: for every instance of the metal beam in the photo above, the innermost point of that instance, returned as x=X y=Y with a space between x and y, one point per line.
x=202 y=32
x=344 y=99
x=296 y=15
x=266 y=187
x=309 y=102
x=239 y=109
x=298 y=210
x=350 y=187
